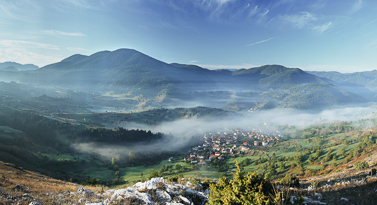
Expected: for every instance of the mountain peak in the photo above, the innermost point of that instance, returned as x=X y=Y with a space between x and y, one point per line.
x=18 y=66
x=74 y=58
x=267 y=70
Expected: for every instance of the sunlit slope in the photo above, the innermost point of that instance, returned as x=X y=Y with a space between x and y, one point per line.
x=156 y=83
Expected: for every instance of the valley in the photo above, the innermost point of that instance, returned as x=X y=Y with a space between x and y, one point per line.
x=138 y=118
x=193 y=102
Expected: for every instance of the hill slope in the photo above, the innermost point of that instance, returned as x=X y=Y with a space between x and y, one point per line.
x=148 y=82
x=17 y=67
x=277 y=76
x=362 y=83
x=311 y=96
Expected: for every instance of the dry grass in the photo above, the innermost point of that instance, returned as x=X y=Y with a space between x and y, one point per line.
x=37 y=187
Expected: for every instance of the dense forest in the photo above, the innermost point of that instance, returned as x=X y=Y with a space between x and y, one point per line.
x=38 y=143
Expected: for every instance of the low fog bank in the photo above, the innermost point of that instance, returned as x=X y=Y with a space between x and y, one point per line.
x=268 y=119
x=169 y=144
x=183 y=133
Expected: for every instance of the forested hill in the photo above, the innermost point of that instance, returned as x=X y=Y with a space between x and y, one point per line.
x=153 y=83
x=132 y=70
x=40 y=144
x=12 y=66
x=362 y=83
x=276 y=76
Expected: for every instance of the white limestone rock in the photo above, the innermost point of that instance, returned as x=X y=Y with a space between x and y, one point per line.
x=163 y=196
x=176 y=189
x=82 y=200
x=190 y=192
x=131 y=193
x=34 y=203
x=318 y=195
x=84 y=192
x=184 y=199
x=151 y=184
x=98 y=203
x=108 y=193
x=344 y=200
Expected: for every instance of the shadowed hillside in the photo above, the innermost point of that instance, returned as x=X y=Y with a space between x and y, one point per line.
x=134 y=80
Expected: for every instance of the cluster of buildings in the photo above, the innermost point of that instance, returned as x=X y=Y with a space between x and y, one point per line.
x=222 y=145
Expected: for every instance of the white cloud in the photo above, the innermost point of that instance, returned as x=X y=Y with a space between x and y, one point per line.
x=231 y=11
x=307 y=20
x=299 y=20
x=24 y=56
x=264 y=13
x=18 y=10
x=215 y=2
x=357 y=6
x=259 y=42
x=61 y=33
x=23 y=52
x=216 y=8
x=372 y=44
x=338 y=68
x=253 y=11
x=228 y=10
x=223 y=1
x=77 y=49
x=27 y=44
x=215 y=67
x=323 y=28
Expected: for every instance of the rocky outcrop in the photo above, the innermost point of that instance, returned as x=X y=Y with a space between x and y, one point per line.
x=84 y=192
x=155 y=191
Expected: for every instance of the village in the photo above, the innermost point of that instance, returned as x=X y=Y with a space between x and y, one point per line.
x=222 y=145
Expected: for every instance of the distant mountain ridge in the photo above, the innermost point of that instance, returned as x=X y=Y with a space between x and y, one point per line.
x=275 y=76
x=363 y=83
x=156 y=83
x=12 y=66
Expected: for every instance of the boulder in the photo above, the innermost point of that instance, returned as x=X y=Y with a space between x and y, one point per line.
x=184 y=199
x=108 y=193
x=34 y=203
x=292 y=199
x=18 y=187
x=131 y=194
x=318 y=195
x=26 y=195
x=163 y=196
x=151 y=184
x=344 y=200
x=190 y=192
x=84 y=192
x=176 y=189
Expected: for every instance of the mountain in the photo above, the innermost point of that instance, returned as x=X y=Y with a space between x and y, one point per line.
x=12 y=66
x=366 y=78
x=277 y=76
x=127 y=67
x=9 y=71
x=362 y=83
x=148 y=82
x=314 y=96
x=9 y=68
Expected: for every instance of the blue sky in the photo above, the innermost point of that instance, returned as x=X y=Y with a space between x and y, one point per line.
x=338 y=35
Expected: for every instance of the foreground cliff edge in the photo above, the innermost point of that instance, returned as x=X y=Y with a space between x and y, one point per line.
x=19 y=186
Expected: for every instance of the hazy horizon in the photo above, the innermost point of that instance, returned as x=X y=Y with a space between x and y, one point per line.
x=321 y=35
